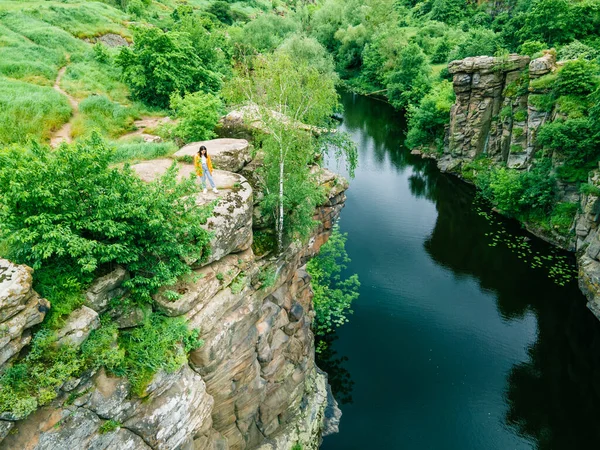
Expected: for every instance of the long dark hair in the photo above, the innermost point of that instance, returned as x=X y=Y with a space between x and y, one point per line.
x=202 y=147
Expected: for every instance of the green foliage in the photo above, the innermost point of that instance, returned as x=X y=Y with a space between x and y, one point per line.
x=519 y=193
x=531 y=48
x=267 y=277
x=108 y=426
x=577 y=141
x=579 y=77
x=448 y=11
x=137 y=150
x=477 y=42
x=99 y=114
x=69 y=208
x=160 y=343
x=426 y=122
x=589 y=189
x=410 y=81
x=264 y=34
x=562 y=217
x=222 y=11
x=198 y=114
x=29 y=112
x=550 y=21
x=239 y=283
x=578 y=50
x=165 y=63
x=333 y=294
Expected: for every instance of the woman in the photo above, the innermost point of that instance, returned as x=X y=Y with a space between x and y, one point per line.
x=204 y=168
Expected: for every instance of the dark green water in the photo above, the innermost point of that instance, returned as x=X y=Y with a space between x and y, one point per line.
x=454 y=344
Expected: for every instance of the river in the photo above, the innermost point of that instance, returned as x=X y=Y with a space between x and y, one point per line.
x=456 y=341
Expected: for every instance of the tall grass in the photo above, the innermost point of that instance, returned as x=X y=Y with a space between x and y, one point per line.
x=99 y=113
x=28 y=111
x=138 y=150
x=86 y=76
x=24 y=60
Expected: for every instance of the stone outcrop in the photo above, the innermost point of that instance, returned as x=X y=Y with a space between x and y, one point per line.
x=226 y=153
x=253 y=384
x=20 y=308
x=495 y=115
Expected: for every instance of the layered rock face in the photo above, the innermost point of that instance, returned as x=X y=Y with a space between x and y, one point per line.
x=20 y=308
x=253 y=384
x=493 y=113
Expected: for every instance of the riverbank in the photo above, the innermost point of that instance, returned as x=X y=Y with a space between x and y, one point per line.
x=456 y=342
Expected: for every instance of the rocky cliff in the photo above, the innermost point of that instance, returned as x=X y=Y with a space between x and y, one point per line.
x=496 y=115
x=253 y=384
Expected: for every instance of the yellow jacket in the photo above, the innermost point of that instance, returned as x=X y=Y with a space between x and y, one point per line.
x=198 y=164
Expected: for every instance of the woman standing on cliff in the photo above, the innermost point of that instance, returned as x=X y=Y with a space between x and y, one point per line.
x=204 y=168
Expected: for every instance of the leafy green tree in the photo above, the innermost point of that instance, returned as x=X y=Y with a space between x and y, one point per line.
x=477 y=42
x=577 y=141
x=579 y=77
x=333 y=294
x=410 y=81
x=448 y=11
x=162 y=63
x=222 y=11
x=426 y=122
x=70 y=208
x=550 y=21
x=286 y=93
x=198 y=114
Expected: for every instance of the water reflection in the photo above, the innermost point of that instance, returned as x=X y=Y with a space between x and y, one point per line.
x=535 y=362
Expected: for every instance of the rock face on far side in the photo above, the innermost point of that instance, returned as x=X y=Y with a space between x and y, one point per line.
x=226 y=153
x=20 y=308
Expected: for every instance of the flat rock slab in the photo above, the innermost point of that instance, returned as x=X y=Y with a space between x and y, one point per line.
x=226 y=154
x=231 y=222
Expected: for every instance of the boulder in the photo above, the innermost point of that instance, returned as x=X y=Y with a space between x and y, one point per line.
x=20 y=308
x=105 y=288
x=226 y=154
x=78 y=326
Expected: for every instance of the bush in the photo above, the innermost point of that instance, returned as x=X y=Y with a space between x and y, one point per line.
x=531 y=48
x=70 y=208
x=576 y=141
x=562 y=217
x=162 y=64
x=333 y=295
x=426 y=122
x=198 y=115
x=410 y=81
x=519 y=193
x=578 y=50
x=579 y=77
x=160 y=343
x=477 y=42
x=222 y=11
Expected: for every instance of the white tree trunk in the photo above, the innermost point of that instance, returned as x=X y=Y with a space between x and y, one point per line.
x=280 y=222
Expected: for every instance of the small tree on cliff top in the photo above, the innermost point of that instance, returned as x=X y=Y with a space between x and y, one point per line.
x=286 y=92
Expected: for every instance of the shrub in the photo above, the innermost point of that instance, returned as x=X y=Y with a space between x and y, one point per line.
x=333 y=295
x=198 y=114
x=70 y=208
x=519 y=193
x=531 y=48
x=426 y=122
x=410 y=81
x=578 y=50
x=562 y=216
x=576 y=141
x=160 y=343
x=579 y=77
x=162 y=64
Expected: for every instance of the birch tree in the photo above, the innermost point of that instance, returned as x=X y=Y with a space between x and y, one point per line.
x=287 y=98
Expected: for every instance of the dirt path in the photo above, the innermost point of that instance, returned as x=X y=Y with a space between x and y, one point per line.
x=64 y=133
x=146 y=123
